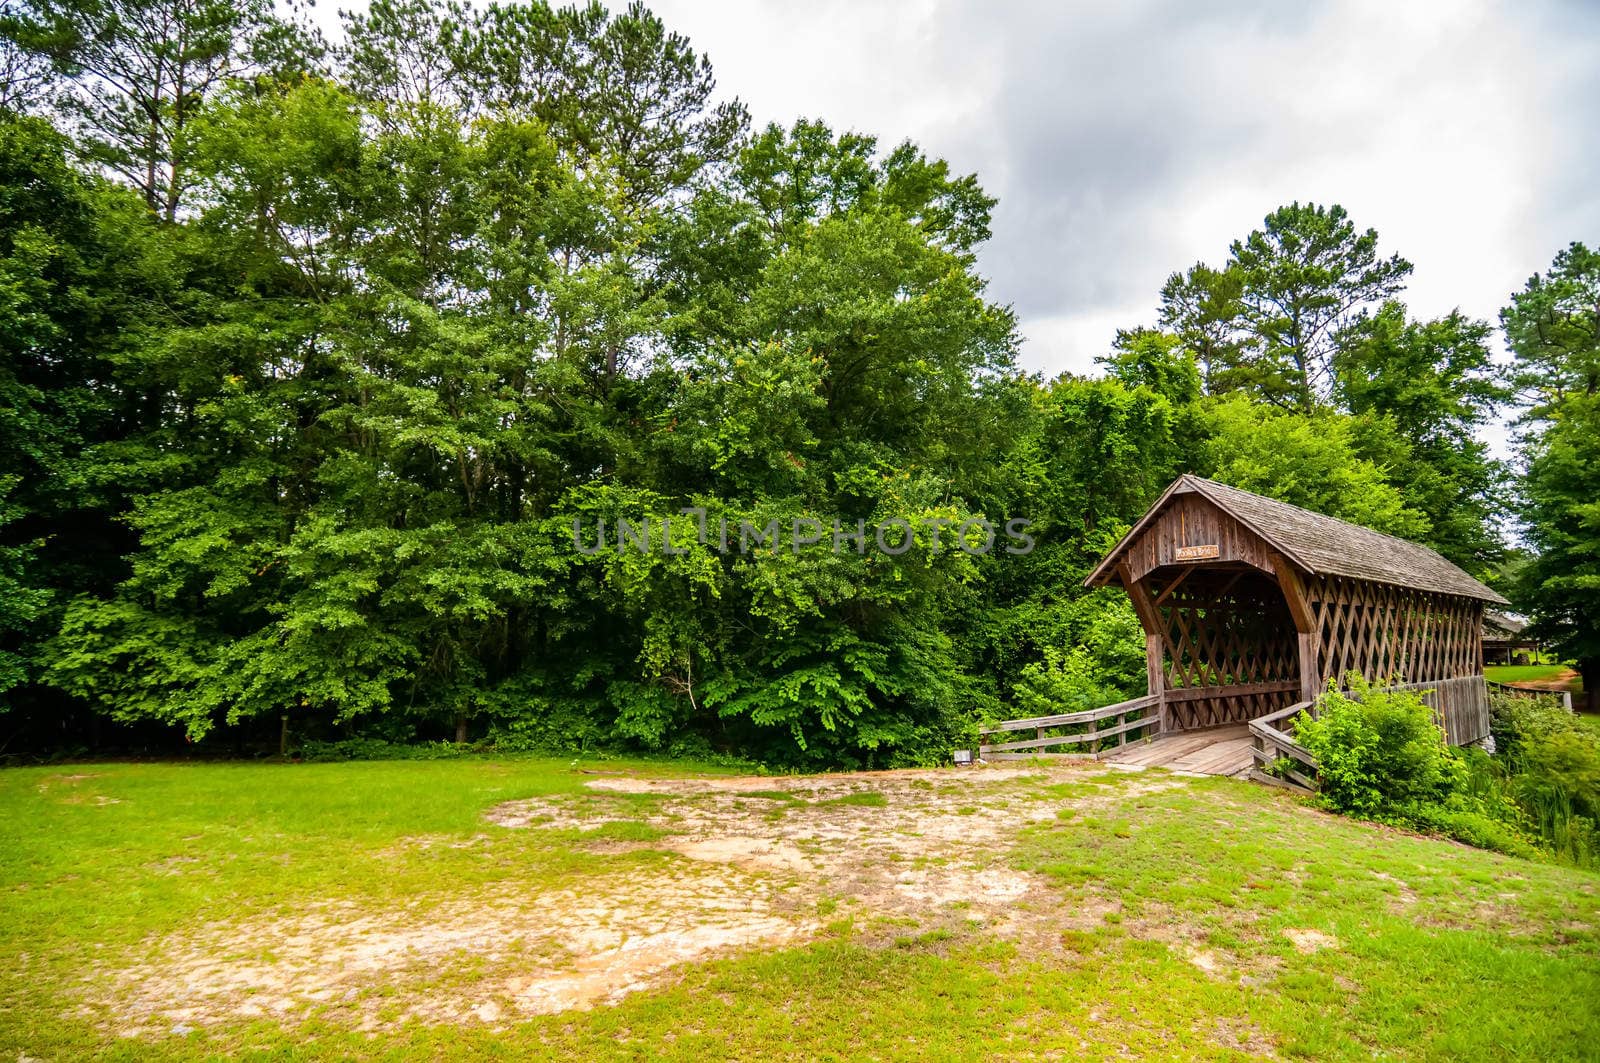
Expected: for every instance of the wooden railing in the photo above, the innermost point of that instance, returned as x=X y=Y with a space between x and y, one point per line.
x=1272 y=746
x=1277 y=756
x=1130 y=716
x=1563 y=696
x=1458 y=709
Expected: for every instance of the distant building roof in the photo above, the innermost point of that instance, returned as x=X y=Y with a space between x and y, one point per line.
x=1498 y=625
x=1319 y=544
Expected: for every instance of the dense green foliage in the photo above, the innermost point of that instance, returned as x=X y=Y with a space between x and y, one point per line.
x=1548 y=763
x=1378 y=751
x=1381 y=756
x=1553 y=327
x=323 y=379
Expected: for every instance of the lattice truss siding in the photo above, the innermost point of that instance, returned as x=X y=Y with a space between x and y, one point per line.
x=1383 y=631
x=1231 y=650
x=1250 y=605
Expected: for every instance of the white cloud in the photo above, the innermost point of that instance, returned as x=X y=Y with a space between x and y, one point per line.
x=1127 y=141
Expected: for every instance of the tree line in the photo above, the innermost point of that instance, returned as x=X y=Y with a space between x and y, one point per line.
x=314 y=354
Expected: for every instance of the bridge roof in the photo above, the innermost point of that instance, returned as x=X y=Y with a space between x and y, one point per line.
x=1315 y=543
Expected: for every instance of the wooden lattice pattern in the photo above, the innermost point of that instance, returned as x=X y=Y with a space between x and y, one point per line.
x=1249 y=606
x=1386 y=632
x=1230 y=647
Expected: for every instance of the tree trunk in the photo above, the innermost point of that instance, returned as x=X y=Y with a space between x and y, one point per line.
x=283 y=735
x=461 y=728
x=1590 y=698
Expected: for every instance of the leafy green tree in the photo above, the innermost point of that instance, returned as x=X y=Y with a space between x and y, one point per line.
x=1303 y=318
x=1433 y=385
x=1200 y=307
x=1086 y=464
x=303 y=420
x=1553 y=328
x=1271 y=321
x=225 y=470
x=868 y=360
x=73 y=263
x=139 y=71
x=1311 y=461
x=1158 y=361
x=24 y=74
x=22 y=601
x=1161 y=362
x=616 y=91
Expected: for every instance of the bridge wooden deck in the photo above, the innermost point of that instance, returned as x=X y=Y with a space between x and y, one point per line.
x=1212 y=751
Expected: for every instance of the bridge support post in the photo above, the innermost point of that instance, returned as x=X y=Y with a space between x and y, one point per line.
x=1155 y=645
x=1305 y=625
x=1156 y=680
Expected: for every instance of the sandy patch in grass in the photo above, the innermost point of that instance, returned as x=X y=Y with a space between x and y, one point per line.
x=512 y=953
x=763 y=862
x=1308 y=941
x=925 y=851
x=830 y=785
x=1243 y=1037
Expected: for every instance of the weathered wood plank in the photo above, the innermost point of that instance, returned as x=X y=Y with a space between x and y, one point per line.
x=1034 y=723
x=1220 y=751
x=1256 y=775
x=1189 y=524
x=1181 y=694
x=1061 y=740
x=1037 y=743
x=1226 y=757
x=1065 y=719
x=1162 y=749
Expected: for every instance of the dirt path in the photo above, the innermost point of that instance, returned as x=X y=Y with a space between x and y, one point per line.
x=1567 y=680
x=754 y=863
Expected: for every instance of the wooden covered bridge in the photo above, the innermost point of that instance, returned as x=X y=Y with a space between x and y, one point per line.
x=1249 y=607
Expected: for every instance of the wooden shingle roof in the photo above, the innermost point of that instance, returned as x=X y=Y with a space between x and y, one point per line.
x=1498 y=625
x=1317 y=544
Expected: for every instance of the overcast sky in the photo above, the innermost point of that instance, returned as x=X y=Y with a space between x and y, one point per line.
x=1128 y=140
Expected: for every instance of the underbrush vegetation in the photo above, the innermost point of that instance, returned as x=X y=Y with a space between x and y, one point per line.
x=1381 y=756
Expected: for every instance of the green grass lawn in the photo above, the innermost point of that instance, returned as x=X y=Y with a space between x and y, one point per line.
x=1529 y=673
x=1079 y=912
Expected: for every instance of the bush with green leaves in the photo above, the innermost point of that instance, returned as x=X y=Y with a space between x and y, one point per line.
x=1548 y=765
x=378 y=749
x=1380 y=755
x=1379 y=752
x=1516 y=719
x=1065 y=681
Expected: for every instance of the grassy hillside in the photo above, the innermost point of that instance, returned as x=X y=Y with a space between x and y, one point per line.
x=525 y=907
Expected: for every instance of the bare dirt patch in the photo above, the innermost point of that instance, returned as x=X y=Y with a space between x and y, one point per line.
x=1243 y=1037
x=535 y=953
x=763 y=862
x=927 y=851
x=1309 y=941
